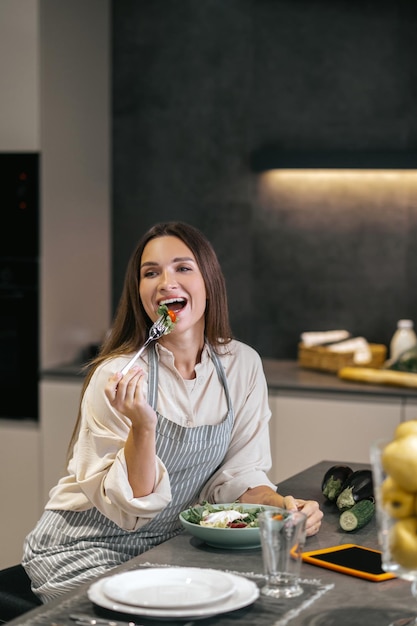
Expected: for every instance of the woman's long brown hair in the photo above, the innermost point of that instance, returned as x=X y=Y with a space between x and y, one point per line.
x=131 y=323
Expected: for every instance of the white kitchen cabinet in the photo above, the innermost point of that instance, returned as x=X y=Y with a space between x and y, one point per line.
x=32 y=459
x=308 y=428
x=19 y=487
x=410 y=410
x=59 y=408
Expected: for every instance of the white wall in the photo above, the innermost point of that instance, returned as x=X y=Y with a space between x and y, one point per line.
x=75 y=147
x=55 y=99
x=19 y=76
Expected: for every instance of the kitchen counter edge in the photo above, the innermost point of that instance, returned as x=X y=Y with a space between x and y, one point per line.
x=284 y=376
x=288 y=376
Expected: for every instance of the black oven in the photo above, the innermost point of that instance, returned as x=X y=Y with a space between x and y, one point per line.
x=19 y=286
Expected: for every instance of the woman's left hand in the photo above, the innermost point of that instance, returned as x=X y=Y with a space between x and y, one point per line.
x=310 y=508
x=263 y=494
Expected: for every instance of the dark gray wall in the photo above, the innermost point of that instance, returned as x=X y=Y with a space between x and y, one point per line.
x=198 y=85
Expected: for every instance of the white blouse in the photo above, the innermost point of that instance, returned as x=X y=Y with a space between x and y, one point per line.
x=97 y=472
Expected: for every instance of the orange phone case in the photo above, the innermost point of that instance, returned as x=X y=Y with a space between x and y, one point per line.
x=312 y=557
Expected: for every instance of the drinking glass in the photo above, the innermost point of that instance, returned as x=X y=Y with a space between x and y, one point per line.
x=282 y=540
x=387 y=518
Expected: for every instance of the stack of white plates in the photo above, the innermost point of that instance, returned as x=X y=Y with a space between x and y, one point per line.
x=168 y=592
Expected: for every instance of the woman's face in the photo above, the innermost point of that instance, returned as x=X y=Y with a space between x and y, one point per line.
x=169 y=275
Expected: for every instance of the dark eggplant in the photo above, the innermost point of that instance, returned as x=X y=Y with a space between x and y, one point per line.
x=358 y=486
x=334 y=479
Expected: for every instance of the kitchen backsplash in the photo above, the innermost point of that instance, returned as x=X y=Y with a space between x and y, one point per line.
x=196 y=90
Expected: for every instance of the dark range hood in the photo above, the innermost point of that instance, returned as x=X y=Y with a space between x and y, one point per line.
x=272 y=157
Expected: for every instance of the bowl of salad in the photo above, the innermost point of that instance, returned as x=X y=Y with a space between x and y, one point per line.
x=232 y=526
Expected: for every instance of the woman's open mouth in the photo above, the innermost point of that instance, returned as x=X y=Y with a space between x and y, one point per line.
x=174 y=304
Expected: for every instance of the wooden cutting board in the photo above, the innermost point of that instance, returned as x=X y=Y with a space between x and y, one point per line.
x=378 y=376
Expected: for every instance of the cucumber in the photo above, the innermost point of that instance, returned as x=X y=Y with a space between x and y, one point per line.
x=358 y=516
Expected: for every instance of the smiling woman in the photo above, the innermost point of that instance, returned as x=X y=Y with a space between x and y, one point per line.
x=170 y=274
x=187 y=423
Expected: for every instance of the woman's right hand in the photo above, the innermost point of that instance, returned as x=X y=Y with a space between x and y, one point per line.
x=127 y=395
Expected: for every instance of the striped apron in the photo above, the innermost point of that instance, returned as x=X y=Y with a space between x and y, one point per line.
x=67 y=548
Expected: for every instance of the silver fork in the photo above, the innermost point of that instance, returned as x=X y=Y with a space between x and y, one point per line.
x=156 y=331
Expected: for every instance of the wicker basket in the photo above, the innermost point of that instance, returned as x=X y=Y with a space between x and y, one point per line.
x=321 y=358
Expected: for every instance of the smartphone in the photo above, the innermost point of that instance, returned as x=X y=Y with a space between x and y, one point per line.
x=350 y=559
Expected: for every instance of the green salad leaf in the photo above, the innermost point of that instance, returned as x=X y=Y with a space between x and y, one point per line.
x=195 y=515
x=168 y=323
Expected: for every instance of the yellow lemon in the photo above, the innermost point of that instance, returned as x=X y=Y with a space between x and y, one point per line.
x=396 y=501
x=405 y=429
x=399 y=460
x=403 y=542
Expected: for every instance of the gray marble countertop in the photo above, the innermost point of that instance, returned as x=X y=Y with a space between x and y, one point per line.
x=282 y=376
x=348 y=601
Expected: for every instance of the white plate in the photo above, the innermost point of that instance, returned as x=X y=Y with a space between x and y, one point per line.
x=169 y=587
x=245 y=593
